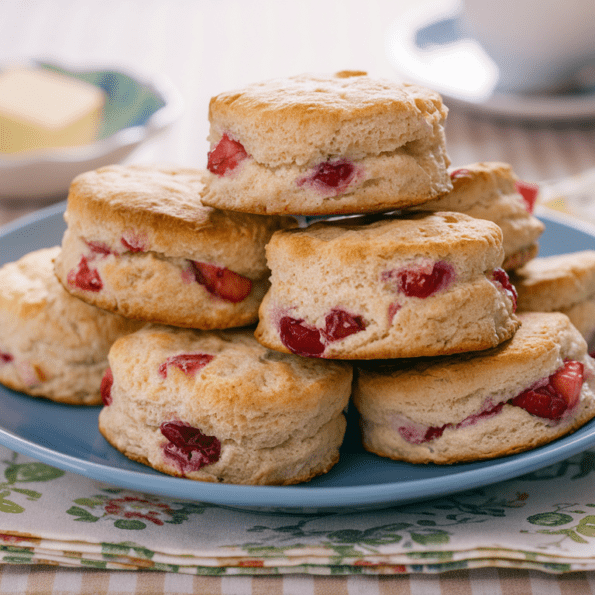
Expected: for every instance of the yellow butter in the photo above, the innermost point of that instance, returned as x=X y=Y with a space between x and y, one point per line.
x=41 y=109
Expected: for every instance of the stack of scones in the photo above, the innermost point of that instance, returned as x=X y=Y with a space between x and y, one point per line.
x=225 y=318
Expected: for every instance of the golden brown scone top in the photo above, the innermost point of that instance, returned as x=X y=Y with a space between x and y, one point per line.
x=165 y=203
x=307 y=118
x=536 y=350
x=433 y=234
x=344 y=94
x=558 y=281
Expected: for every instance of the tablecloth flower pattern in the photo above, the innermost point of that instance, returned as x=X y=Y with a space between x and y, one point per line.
x=48 y=516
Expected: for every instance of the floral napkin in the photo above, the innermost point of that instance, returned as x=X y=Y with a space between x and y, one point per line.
x=544 y=520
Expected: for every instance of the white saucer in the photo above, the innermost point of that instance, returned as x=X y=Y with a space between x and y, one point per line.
x=426 y=47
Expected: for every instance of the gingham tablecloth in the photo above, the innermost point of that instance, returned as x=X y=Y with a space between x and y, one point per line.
x=543 y=521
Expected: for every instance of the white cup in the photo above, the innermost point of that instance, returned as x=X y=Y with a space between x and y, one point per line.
x=538 y=45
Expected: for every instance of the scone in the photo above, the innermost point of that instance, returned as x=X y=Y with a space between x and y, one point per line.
x=414 y=285
x=492 y=191
x=216 y=406
x=563 y=283
x=52 y=344
x=316 y=145
x=525 y=393
x=140 y=243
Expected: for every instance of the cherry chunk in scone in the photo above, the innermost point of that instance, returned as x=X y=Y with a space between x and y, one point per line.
x=225 y=156
x=333 y=175
x=553 y=398
x=189 y=363
x=421 y=281
x=105 y=388
x=307 y=340
x=188 y=446
x=5 y=358
x=221 y=281
x=300 y=338
x=340 y=324
x=500 y=276
x=84 y=277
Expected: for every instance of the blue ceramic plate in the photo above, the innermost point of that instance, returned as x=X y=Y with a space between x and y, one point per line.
x=67 y=437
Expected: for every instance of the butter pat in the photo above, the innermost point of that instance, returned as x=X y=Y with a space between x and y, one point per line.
x=41 y=109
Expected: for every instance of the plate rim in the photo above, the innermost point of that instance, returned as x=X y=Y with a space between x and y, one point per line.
x=301 y=497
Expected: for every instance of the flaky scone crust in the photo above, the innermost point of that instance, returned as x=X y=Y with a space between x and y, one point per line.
x=343 y=264
x=348 y=241
x=486 y=190
x=279 y=418
x=164 y=205
x=558 y=282
x=140 y=227
x=439 y=391
x=392 y=134
x=59 y=344
x=305 y=118
x=490 y=440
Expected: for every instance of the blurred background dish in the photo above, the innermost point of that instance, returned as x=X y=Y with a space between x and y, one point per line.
x=429 y=45
x=136 y=108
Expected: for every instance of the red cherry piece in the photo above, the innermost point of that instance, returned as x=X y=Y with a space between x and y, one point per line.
x=106 y=387
x=490 y=412
x=422 y=282
x=189 y=363
x=392 y=310
x=300 y=338
x=221 y=281
x=5 y=358
x=435 y=432
x=529 y=193
x=335 y=175
x=568 y=381
x=560 y=393
x=460 y=173
x=501 y=277
x=134 y=242
x=419 y=435
x=85 y=278
x=225 y=156
x=541 y=402
x=98 y=247
x=340 y=324
x=189 y=447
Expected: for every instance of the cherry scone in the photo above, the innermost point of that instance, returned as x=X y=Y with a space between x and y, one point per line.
x=52 y=344
x=492 y=191
x=561 y=283
x=216 y=406
x=522 y=394
x=387 y=286
x=140 y=243
x=326 y=144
